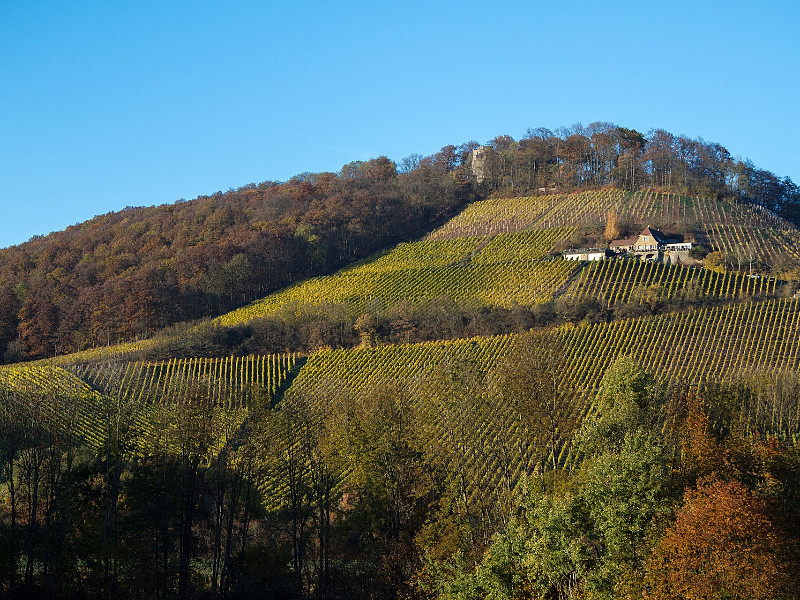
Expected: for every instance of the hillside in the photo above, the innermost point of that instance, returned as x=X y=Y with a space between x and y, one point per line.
x=124 y=276
x=505 y=253
x=128 y=274
x=496 y=268
x=498 y=259
x=393 y=424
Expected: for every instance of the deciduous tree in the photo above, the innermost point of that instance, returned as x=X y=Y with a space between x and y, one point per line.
x=722 y=546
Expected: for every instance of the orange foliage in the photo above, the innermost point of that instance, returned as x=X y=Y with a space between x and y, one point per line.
x=723 y=544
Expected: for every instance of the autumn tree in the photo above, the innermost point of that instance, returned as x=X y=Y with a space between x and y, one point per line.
x=723 y=545
x=387 y=484
x=612 y=226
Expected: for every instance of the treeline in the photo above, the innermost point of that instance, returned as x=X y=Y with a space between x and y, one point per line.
x=308 y=328
x=604 y=154
x=128 y=274
x=671 y=491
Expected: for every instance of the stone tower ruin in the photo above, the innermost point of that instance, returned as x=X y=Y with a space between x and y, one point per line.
x=479 y=163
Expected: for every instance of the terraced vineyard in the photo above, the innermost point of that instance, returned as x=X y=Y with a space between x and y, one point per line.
x=494 y=216
x=612 y=281
x=505 y=270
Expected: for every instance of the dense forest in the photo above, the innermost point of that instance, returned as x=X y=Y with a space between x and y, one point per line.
x=127 y=274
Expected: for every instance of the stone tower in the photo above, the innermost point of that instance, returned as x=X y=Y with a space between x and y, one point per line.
x=479 y=163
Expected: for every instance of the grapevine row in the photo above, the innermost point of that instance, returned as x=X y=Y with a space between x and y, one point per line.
x=227 y=382
x=613 y=281
x=505 y=270
x=706 y=345
x=494 y=216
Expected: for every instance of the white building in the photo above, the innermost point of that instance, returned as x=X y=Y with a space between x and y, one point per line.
x=585 y=254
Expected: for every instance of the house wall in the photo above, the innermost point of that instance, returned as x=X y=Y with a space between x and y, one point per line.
x=585 y=256
x=677 y=257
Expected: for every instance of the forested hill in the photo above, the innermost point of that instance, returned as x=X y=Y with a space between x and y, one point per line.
x=467 y=414
x=127 y=274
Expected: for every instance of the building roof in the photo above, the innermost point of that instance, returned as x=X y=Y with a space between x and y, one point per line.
x=655 y=234
x=625 y=242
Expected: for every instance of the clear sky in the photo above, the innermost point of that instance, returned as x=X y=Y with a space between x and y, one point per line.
x=111 y=104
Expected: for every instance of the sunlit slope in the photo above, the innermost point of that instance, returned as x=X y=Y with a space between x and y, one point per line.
x=711 y=344
x=141 y=400
x=614 y=281
x=233 y=382
x=49 y=394
x=483 y=439
x=724 y=226
x=493 y=252
x=113 y=353
x=509 y=269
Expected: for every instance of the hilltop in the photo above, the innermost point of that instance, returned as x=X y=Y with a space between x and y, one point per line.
x=126 y=275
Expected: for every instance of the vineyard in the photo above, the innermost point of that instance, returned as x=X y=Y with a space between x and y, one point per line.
x=514 y=268
x=711 y=344
x=613 y=281
x=463 y=428
x=495 y=253
x=482 y=437
x=86 y=397
x=114 y=353
x=494 y=216
x=54 y=395
x=703 y=346
x=232 y=382
x=754 y=245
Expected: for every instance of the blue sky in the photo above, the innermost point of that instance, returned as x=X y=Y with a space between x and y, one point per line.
x=111 y=104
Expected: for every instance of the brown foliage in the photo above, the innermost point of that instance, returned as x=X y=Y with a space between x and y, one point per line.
x=700 y=454
x=127 y=274
x=723 y=544
x=612 y=226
